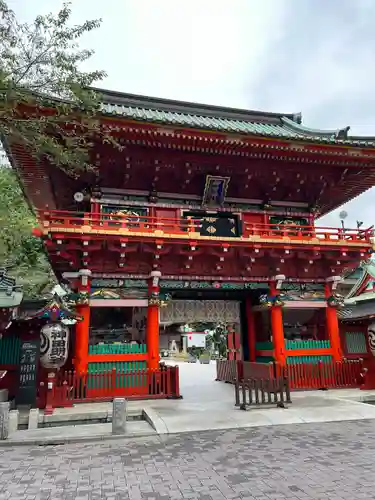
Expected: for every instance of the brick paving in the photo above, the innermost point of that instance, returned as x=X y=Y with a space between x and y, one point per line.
x=310 y=461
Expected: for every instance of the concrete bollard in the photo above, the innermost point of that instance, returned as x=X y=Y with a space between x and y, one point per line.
x=3 y=395
x=119 y=413
x=14 y=416
x=4 y=420
x=33 y=419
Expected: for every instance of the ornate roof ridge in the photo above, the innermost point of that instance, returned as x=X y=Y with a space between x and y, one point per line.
x=341 y=133
x=7 y=283
x=368 y=272
x=120 y=99
x=10 y=293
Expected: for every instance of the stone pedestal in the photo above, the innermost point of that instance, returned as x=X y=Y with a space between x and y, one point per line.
x=119 y=416
x=14 y=416
x=3 y=395
x=33 y=419
x=4 y=420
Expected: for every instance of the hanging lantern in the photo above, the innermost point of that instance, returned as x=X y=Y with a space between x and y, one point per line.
x=54 y=345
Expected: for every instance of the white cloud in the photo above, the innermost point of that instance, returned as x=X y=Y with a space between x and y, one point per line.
x=189 y=50
x=312 y=56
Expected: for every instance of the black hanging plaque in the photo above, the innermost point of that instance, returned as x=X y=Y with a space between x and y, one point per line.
x=29 y=360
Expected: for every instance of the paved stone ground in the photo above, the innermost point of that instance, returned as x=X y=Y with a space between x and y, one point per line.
x=310 y=461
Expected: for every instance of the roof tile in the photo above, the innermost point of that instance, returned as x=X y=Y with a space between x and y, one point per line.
x=284 y=129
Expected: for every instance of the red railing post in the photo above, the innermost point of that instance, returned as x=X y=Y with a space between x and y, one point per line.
x=42 y=396
x=320 y=376
x=113 y=381
x=176 y=388
x=50 y=393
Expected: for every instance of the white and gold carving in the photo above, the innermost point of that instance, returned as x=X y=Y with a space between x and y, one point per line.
x=371 y=337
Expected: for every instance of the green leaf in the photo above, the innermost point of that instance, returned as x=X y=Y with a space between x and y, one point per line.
x=20 y=250
x=41 y=67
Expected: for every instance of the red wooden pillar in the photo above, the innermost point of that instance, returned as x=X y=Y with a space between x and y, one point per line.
x=277 y=328
x=230 y=346
x=237 y=346
x=152 y=330
x=332 y=325
x=233 y=344
x=81 y=348
x=251 y=333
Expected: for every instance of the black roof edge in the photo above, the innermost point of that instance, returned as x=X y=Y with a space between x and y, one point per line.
x=16 y=171
x=157 y=103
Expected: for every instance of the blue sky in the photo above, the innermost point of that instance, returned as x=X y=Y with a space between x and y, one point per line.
x=313 y=56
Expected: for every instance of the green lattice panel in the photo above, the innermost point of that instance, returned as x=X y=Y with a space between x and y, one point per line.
x=9 y=351
x=118 y=349
x=264 y=359
x=356 y=342
x=264 y=346
x=294 y=345
x=296 y=360
x=134 y=370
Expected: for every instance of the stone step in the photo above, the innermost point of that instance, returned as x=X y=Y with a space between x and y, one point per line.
x=78 y=415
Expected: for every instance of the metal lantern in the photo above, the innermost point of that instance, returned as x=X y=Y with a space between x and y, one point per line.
x=54 y=345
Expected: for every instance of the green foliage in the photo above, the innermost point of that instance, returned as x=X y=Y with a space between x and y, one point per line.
x=40 y=67
x=217 y=339
x=205 y=355
x=19 y=249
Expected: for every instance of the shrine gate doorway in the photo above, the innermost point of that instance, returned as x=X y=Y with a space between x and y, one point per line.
x=215 y=307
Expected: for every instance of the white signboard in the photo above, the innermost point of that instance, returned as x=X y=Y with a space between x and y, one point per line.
x=196 y=340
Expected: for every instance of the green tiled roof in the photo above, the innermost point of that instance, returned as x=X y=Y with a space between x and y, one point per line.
x=168 y=112
x=13 y=299
x=203 y=122
x=10 y=294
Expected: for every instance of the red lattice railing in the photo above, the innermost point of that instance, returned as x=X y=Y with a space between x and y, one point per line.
x=228 y=370
x=70 y=387
x=321 y=375
x=332 y=375
x=56 y=220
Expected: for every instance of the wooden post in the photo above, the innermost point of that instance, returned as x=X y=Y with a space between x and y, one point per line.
x=152 y=331
x=277 y=328
x=251 y=333
x=332 y=325
x=81 y=348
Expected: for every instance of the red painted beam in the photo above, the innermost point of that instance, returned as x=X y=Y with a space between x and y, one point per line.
x=112 y=358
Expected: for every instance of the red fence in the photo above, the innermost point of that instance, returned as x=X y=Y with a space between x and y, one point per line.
x=70 y=387
x=333 y=375
x=228 y=370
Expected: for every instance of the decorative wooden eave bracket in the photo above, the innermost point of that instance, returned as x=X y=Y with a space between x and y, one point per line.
x=56 y=310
